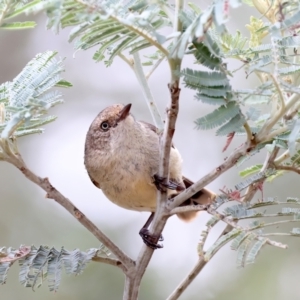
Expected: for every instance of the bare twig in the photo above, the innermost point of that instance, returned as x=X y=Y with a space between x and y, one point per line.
x=291 y=115
x=272 y=243
x=268 y=215
x=211 y=176
x=249 y=133
x=158 y=62
x=263 y=133
x=109 y=261
x=128 y=61
x=273 y=224
x=181 y=209
x=285 y=155
x=53 y=193
x=188 y=279
x=250 y=192
x=288 y=168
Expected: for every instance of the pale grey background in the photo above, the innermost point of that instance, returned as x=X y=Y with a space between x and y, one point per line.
x=27 y=217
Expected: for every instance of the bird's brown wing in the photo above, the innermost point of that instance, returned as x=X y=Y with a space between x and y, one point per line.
x=150 y=126
x=153 y=128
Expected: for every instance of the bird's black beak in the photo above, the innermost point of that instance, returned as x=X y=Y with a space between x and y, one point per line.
x=124 y=112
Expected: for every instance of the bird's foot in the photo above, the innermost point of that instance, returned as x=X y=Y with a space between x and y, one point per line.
x=161 y=185
x=151 y=240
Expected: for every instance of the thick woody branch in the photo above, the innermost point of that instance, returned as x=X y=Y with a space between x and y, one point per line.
x=52 y=193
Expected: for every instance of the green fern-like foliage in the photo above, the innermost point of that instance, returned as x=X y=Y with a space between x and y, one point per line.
x=25 y=100
x=38 y=265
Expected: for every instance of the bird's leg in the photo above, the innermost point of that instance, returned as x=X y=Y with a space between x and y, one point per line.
x=171 y=185
x=150 y=240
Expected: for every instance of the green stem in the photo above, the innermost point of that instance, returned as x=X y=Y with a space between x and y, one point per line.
x=139 y=72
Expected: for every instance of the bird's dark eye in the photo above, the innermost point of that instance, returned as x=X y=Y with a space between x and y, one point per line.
x=104 y=126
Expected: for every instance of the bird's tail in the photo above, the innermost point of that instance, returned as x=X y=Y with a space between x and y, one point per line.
x=204 y=196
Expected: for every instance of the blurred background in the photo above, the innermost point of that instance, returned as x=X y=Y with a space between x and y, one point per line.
x=27 y=217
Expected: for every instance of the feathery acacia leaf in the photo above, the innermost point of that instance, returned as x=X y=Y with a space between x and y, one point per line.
x=218 y=116
x=243 y=248
x=233 y=125
x=18 y=25
x=221 y=242
x=115 y=26
x=205 y=57
x=253 y=251
x=196 y=79
x=27 y=98
x=250 y=170
x=46 y=263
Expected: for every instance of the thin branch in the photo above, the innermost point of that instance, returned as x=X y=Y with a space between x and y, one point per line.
x=128 y=61
x=182 y=209
x=279 y=234
x=250 y=192
x=272 y=224
x=263 y=133
x=292 y=114
x=249 y=133
x=109 y=261
x=288 y=168
x=266 y=215
x=53 y=193
x=158 y=62
x=188 y=279
x=204 y=181
x=233 y=224
x=274 y=243
x=285 y=155
x=276 y=132
x=139 y=72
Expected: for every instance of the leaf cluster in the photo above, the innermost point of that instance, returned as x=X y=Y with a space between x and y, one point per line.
x=25 y=100
x=248 y=239
x=112 y=26
x=13 y=8
x=41 y=264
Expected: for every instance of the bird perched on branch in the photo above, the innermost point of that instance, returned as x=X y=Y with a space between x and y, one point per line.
x=122 y=159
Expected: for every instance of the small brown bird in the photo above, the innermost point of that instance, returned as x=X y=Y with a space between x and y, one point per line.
x=122 y=159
